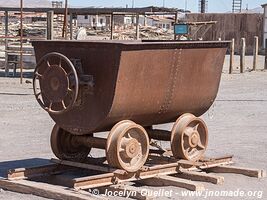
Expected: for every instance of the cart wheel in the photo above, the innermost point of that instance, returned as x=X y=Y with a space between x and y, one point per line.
x=189 y=138
x=58 y=82
x=127 y=146
x=64 y=146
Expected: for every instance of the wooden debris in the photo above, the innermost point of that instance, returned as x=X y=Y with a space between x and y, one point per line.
x=200 y=176
x=173 y=181
x=239 y=170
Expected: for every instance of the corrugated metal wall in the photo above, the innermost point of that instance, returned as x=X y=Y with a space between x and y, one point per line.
x=231 y=25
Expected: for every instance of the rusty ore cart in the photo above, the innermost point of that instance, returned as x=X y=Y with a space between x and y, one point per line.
x=125 y=88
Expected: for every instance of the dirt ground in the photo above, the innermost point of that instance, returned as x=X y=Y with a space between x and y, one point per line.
x=237 y=126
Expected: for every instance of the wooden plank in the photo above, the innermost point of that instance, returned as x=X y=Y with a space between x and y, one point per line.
x=45 y=190
x=173 y=181
x=127 y=191
x=239 y=170
x=200 y=176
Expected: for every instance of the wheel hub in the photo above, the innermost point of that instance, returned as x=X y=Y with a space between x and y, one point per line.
x=132 y=148
x=193 y=140
x=55 y=84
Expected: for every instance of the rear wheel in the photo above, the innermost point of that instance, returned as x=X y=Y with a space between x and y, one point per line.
x=65 y=147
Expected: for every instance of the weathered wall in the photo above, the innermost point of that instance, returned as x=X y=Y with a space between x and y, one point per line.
x=230 y=26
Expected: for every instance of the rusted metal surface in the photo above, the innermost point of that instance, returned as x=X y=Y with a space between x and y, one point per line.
x=146 y=82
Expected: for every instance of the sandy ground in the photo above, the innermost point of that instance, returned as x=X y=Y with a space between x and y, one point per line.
x=237 y=125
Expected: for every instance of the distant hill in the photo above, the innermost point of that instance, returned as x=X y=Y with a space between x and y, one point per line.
x=27 y=3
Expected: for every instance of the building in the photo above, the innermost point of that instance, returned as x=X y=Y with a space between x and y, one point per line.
x=92 y=21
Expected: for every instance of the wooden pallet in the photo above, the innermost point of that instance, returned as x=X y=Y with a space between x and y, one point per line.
x=70 y=180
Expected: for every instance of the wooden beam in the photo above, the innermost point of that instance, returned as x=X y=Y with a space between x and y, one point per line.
x=173 y=181
x=45 y=190
x=200 y=176
x=238 y=170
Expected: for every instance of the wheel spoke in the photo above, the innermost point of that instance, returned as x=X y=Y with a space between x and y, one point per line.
x=48 y=63
x=60 y=62
x=187 y=132
x=63 y=104
x=38 y=74
x=38 y=95
x=196 y=127
x=200 y=145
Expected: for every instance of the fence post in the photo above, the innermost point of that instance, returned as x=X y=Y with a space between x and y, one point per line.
x=242 y=55
x=255 y=52
x=232 y=54
x=6 y=44
x=265 y=66
x=50 y=25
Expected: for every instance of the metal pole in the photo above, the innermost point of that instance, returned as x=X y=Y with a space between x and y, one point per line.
x=65 y=25
x=232 y=53
x=6 y=43
x=255 y=52
x=242 y=55
x=203 y=6
x=21 y=41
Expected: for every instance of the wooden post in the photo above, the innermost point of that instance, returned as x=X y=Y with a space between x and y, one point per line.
x=265 y=65
x=137 y=27
x=175 y=21
x=145 y=20
x=111 y=26
x=50 y=25
x=71 y=26
x=242 y=55
x=21 y=41
x=232 y=54
x=65 y=24
x=255 y=52
x=6 y=44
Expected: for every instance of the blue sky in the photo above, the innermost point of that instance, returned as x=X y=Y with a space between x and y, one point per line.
x=213 y=5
